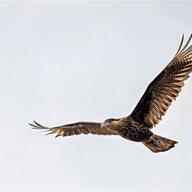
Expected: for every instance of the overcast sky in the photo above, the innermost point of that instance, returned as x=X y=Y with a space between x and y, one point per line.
x=70 y=61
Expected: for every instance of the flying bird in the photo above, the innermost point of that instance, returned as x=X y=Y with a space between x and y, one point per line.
x=148 y=112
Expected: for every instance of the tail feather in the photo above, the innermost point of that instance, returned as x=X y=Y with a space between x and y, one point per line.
x=157 y=143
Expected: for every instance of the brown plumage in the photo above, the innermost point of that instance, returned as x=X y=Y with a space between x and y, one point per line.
x=148 y=112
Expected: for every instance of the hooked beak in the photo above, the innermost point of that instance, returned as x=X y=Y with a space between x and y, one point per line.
x=105 y=124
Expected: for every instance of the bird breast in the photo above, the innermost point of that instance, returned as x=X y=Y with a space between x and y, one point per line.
x=135 y=131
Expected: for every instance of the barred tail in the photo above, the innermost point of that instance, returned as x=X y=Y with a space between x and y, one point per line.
x=157 y=143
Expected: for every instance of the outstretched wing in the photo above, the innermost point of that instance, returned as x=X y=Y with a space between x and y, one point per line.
x=76 y=129
x=165 y=87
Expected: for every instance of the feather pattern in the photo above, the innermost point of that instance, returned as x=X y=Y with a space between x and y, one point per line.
x=165 y=87
x=76 y=129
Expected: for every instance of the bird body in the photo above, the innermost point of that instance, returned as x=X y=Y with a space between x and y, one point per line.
x=148 y=112
x=134 y=131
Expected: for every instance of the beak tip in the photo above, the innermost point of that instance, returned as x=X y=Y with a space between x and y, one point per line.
x=102 y=124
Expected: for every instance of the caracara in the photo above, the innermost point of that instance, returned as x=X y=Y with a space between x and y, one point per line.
x=148 y=112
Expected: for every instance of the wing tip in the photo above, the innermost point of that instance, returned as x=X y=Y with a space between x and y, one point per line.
x=36 y=125
x=184 y=47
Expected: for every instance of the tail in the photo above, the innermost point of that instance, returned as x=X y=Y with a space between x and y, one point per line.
x=159 y=144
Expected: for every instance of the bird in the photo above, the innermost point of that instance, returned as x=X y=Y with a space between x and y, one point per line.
x=148 y=112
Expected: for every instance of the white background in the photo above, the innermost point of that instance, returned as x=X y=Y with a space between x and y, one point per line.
x=62 y=62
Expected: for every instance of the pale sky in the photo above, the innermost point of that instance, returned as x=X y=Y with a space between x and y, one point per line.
x=64 y=62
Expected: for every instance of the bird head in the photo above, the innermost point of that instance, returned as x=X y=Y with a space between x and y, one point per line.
x=110 y=123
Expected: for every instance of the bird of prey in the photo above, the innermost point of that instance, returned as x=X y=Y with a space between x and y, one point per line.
x=148 y=112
